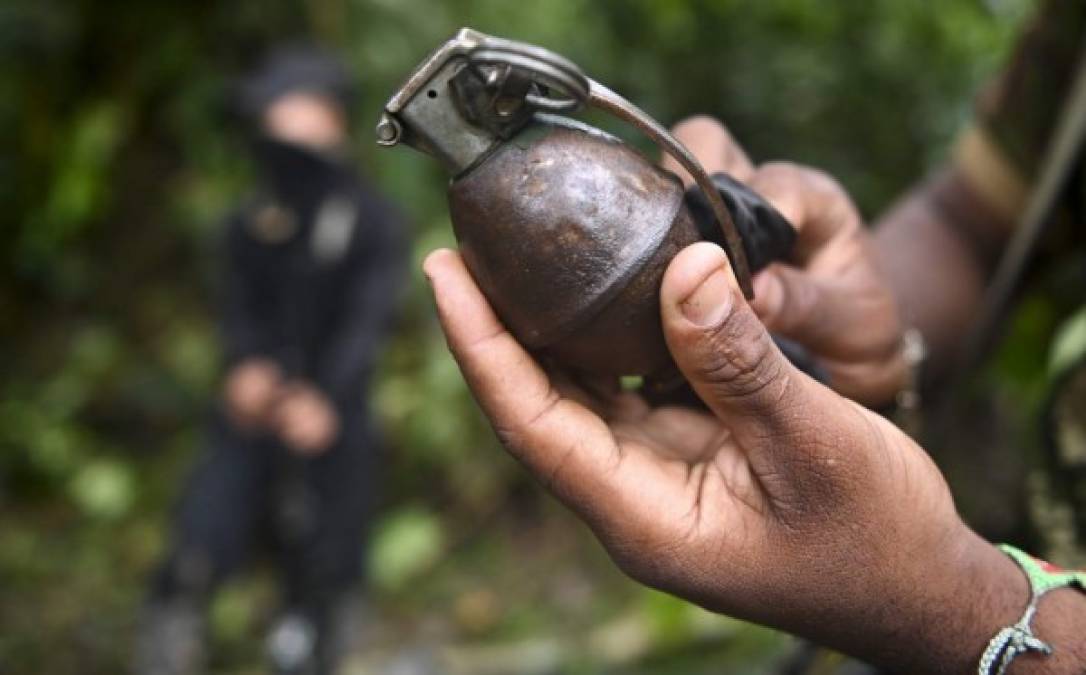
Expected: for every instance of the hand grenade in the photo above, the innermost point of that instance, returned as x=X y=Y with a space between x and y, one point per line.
x=567 y=229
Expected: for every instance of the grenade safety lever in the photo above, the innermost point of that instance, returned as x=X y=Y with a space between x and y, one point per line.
x=477 y=91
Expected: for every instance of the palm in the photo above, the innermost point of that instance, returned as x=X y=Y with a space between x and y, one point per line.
x=691 y=479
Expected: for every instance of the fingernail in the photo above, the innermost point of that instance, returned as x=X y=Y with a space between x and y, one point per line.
x=428 y=264
x=426 y=267
x=711 y=301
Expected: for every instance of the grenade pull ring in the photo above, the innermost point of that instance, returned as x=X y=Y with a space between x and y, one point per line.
x=497 y=86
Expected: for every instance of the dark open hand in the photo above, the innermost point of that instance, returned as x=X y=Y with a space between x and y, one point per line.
x=788 y=504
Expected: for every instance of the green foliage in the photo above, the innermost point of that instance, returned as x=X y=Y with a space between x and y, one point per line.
x=103 y=488
x=406 y=543
x=120 y=159
x=1070 y=344
x=80 y=189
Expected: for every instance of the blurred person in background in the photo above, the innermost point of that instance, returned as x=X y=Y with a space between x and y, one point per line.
x=784 y=502
x=312 y=269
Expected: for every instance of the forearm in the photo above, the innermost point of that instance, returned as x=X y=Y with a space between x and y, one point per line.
x=945 y=621
x=937 y=247
x=932 y=618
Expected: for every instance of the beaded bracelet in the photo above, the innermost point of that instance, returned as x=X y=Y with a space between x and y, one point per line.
x=1018 y=639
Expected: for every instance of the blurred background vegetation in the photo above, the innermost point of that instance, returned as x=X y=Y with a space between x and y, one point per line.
x=118 y=157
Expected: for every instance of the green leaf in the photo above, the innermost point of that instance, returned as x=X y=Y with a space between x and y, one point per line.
x=405 y=544
x=103 y=489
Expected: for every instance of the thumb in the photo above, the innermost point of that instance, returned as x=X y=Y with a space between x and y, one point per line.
x=730 y=360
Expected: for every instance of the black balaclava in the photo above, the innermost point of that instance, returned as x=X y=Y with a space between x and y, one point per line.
x=297 y=175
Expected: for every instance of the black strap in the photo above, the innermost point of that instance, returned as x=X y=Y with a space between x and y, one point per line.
x=767 y=236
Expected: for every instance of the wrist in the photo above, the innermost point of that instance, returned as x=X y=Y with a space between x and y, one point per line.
x=975 y=593
x=989 y=592
x=1060 y=622
x=932 y=610
x=938 y=612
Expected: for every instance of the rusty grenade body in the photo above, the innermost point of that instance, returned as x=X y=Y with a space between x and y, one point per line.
x=566 y=229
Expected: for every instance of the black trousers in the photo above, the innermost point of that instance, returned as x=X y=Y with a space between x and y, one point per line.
x=249 y=493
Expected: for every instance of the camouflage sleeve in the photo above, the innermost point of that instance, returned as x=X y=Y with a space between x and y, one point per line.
x=1004 y=151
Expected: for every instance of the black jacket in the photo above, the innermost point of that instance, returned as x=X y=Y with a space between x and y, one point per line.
x=312 y=274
